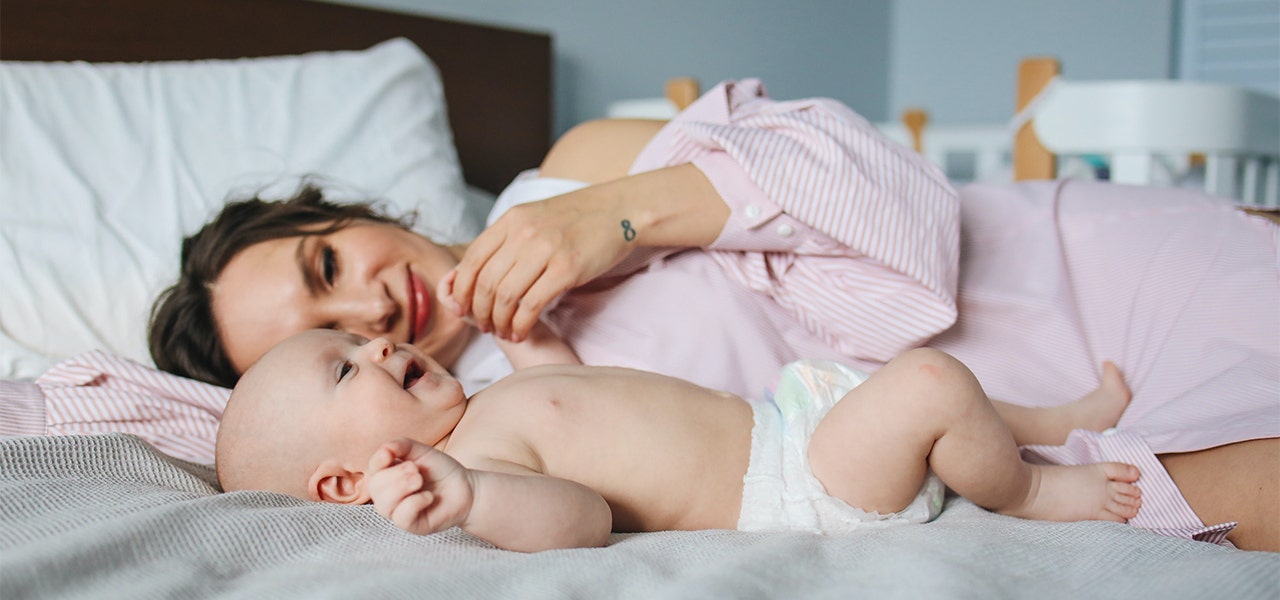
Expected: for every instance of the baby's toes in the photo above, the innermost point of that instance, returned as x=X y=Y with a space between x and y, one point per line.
x=1123 y=503
x=1121 y=472
x=1120 y=511
x=1127 y=490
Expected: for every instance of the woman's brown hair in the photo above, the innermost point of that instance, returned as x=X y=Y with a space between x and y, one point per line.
x=183 y=334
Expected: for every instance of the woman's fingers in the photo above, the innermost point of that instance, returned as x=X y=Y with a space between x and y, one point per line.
x=550 y=284
x=531 y=285
x=532 y=254
x=488 y=284
x=511 y=294
x=468 y=270
x=507 y=275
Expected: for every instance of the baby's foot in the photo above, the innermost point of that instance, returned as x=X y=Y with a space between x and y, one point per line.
x=1102 y=407
x=1095 y=492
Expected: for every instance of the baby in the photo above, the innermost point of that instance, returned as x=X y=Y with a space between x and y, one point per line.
x=558 y=456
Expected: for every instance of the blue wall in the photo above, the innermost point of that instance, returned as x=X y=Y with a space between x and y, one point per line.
x=957 y=58
x=960 y=59
x=606 y=50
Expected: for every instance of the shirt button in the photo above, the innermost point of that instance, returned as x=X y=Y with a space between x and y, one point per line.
x=785 y=230
x=752 y=211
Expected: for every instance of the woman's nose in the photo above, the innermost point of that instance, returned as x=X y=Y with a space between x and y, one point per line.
x=368 y=314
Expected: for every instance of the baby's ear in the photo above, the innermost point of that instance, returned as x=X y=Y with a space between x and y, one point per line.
x=332 y=482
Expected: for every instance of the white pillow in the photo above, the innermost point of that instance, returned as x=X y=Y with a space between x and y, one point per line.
x=105 y=167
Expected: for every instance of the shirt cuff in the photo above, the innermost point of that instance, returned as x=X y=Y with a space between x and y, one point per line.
x=755 y=222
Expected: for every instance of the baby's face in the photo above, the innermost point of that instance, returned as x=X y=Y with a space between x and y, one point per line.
x=352 y=395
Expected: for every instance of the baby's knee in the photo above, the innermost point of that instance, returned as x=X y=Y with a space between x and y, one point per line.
x=933 y=366
x=939 y=379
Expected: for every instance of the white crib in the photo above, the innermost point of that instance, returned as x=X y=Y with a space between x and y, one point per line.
x=1221 y=138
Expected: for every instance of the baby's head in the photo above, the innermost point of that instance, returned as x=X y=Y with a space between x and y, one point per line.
x=306 y=417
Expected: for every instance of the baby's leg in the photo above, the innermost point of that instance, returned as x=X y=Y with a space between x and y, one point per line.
x=1096 y=411
x=925 y=410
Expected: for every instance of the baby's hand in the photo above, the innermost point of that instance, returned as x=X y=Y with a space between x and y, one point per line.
x=420 y=489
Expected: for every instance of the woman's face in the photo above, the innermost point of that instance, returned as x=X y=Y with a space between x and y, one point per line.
x=371 y=279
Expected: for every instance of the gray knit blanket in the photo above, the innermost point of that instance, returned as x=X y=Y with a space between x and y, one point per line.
x=110 y=517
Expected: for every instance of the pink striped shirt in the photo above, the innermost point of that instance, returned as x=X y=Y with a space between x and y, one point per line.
x=841 y=245
x=96 y=392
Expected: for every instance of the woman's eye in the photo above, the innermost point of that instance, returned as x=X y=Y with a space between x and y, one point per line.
x=328 y=264
x=343 y=370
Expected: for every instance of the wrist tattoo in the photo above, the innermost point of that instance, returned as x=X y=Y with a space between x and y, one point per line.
x=628 y=233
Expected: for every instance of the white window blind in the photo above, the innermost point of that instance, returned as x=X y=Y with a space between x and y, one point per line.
x=1235 y=42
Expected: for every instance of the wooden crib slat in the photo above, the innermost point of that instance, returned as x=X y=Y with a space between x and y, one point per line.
x=915 y=120
x=681 y=91
x=1031 y=160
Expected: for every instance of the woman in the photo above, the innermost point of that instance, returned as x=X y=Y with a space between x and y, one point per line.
x=688 y=249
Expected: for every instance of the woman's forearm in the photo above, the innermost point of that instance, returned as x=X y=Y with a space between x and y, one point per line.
x=669 y=207
x=675 y=206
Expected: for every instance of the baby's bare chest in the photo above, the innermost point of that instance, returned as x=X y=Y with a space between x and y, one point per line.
x=635 y=438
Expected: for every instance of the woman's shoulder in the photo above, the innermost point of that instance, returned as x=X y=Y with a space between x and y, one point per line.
x=600 y=150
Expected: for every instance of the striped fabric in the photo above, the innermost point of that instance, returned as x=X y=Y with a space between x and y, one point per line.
x=840 y=245
x=21 y=408
x=1179 y=289
x=829 y=180
x=96 y=392
x=1164 y=510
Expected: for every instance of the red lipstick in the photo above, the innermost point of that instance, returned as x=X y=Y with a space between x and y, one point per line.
x=419 y=307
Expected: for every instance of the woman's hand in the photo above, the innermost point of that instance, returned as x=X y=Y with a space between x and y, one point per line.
x=534 y=253
x=420 y=489
x=539 y=250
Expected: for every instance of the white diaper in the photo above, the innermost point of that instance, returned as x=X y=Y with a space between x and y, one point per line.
x=779 y=490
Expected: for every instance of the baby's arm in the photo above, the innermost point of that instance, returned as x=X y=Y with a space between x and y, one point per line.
x=542 y=347
x=423 y=490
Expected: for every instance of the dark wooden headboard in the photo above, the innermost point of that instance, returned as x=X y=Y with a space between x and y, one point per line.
x=497 y=81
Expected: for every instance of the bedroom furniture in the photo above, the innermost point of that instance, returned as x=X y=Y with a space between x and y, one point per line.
x=1135 y=124
x=1222 y=139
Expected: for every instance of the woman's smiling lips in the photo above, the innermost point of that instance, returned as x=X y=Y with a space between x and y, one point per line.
x=419 y=306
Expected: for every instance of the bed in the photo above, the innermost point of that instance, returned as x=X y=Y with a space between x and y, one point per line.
x=107 y=514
